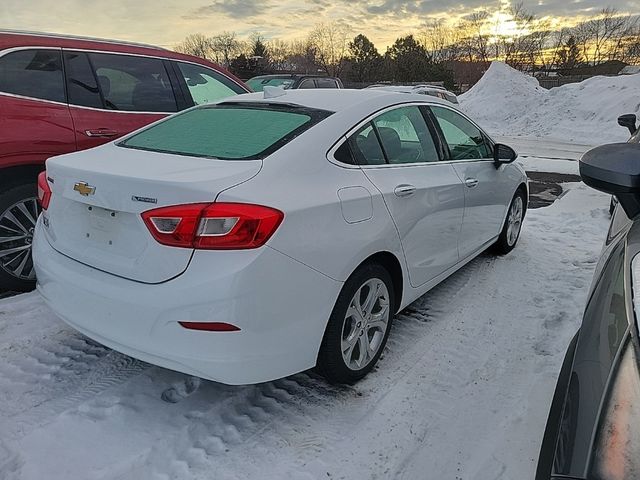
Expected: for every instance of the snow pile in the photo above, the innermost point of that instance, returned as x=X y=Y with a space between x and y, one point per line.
x=508 y=102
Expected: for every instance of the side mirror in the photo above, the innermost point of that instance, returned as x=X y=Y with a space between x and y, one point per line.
x=628 y=121
x=503 y=154
x=615 y=169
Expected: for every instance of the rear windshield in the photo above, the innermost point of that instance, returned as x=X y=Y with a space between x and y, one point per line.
x=257 y=84
x=228 y=131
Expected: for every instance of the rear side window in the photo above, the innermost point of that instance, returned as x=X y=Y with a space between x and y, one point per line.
x=81 y=82
x=227 y=131
x=130 y=83
x=206 y=85
x=366 y=146
x=33 y=73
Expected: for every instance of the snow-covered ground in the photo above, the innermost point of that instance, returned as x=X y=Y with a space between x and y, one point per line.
x=462 y=391
x=507 y=102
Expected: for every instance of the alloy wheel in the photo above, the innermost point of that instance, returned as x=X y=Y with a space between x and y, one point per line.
x=17 y=224
x=514 y=220
x=365 y=324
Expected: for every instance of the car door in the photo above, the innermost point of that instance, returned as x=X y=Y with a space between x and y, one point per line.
x=34 y=115
x=487 y=191
x=111 y=95
x=425 y=197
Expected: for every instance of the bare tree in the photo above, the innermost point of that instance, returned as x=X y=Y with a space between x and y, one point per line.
x=196 y=44
x=279 y=53
x=475 y=41
x=303 y=56
x=602 y=38
x=441 y=40
x=331 y=43
x=225 y=47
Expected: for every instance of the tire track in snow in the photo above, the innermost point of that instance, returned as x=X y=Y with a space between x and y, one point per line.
x=60 y=371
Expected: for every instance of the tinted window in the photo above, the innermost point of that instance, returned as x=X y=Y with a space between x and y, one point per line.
x=465 y=140
x=81 y=82
x=206 y=85
x=326 y=83
x=33 y=73
x=227 y=131
x=405 y=136
x=366 y=147
x=131 y=83
x=343 y=154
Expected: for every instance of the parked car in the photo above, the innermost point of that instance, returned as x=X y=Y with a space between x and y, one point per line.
x=59 y=94
x=593 y=430
x=293 y=82
x=433 y=90
x=270 y=233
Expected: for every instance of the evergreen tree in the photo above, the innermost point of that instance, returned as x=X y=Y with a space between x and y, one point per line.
x=365 y=59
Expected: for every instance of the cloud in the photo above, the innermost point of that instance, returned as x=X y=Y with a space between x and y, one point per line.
x=239 y=9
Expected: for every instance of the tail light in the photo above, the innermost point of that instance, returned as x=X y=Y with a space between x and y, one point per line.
x=44 y=192
x=215 y=226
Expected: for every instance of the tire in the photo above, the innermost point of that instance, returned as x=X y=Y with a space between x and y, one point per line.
x=17 y=204
x=347 y=328
x=508 y=238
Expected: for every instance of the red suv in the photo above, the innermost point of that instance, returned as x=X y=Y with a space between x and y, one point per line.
x=59 y=94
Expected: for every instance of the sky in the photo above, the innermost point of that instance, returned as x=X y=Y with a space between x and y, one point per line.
x=167 y=22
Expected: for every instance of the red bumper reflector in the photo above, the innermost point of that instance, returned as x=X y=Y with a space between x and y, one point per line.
x=210 y=326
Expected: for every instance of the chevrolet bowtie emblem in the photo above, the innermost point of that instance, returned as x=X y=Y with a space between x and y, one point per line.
x=84 y=189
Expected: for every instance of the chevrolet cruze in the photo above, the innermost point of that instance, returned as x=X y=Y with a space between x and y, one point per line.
x=267 y=234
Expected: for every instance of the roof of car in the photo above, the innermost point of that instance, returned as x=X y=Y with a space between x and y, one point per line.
x=10 y=39
x=409 y=88
x=291 y=75
x=335 y=100
x=77 y=37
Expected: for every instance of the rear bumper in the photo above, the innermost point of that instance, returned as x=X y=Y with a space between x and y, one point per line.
x=280 y=305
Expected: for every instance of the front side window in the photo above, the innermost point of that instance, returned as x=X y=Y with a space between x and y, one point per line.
x=405 y=136
x=228 y=131
x=464 y=139
x=206 y=85
x=33 y=73
x=131 y=83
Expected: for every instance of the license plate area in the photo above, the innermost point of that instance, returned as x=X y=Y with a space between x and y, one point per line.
x=103 y=226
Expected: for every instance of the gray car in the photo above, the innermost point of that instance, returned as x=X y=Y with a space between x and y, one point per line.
x=593 y=430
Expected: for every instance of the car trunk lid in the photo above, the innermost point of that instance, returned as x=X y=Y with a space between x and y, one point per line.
x=98 y=196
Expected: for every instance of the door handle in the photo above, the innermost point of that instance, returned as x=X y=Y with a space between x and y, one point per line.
x=471 y=182
x=101 y=132
x=404 y=190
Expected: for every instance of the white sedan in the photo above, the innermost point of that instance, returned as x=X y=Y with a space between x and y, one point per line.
x=261 y=236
